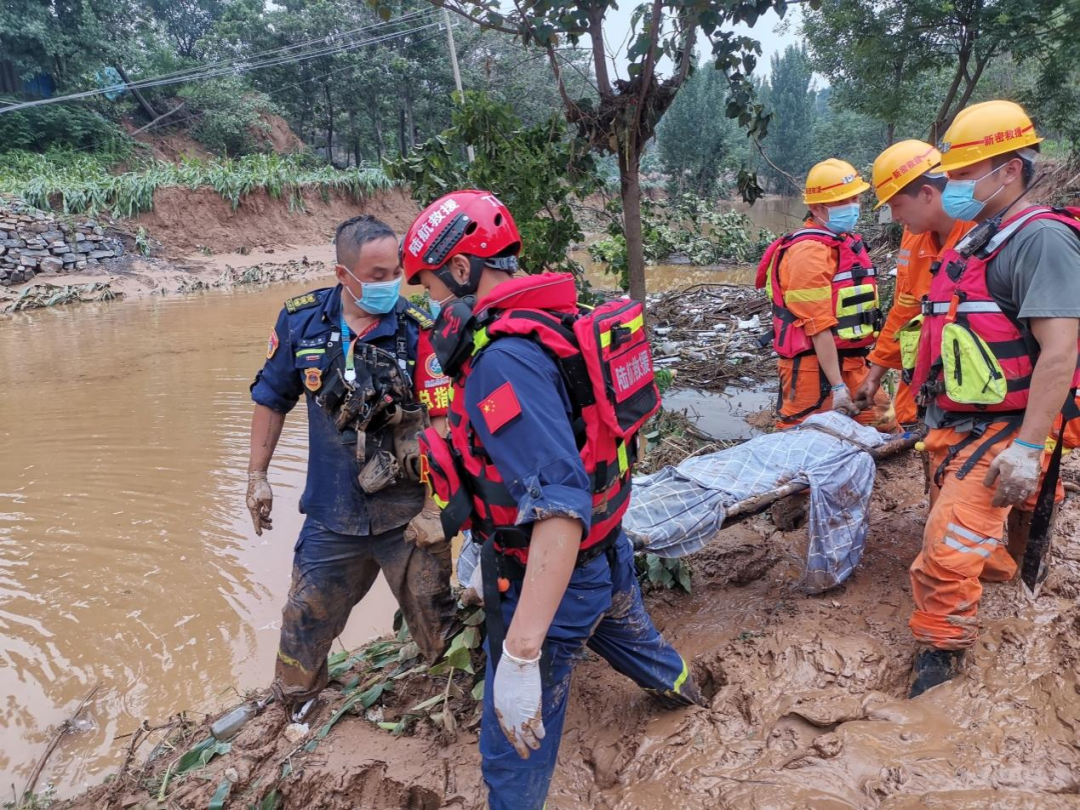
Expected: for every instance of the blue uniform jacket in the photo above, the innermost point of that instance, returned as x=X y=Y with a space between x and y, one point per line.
x=535 y=453
x=304 y=343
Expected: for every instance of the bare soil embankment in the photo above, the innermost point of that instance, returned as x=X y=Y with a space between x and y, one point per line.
x=187 y=221
x=199 y=242
x=807 y=709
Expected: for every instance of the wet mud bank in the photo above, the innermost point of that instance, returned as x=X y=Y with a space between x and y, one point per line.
x=807 y=702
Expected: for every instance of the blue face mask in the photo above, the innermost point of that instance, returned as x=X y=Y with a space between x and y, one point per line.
x=377 y=297
x=958 y=198
x=842 y=218
x=435 y=307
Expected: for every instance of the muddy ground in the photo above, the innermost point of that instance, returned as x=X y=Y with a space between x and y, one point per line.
x=807 y=710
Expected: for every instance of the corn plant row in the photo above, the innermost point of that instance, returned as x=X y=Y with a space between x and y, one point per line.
x=81 y=184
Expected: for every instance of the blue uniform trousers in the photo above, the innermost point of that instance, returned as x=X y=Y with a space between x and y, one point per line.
x=602 y=609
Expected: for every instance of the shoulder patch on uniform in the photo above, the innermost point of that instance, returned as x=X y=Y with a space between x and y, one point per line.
x=301 y=302
x=422 y=318
x=272 y=344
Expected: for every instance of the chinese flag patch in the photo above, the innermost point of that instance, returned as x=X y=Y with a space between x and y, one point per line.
x=500 y=408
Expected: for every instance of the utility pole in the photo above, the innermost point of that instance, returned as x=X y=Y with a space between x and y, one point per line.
x=454 y=65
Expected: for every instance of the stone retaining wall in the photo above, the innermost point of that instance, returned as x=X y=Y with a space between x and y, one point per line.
x=35 y=242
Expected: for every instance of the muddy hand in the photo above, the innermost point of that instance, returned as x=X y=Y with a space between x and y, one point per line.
x=1016 y=469
x=516 y=695
x=841 y=401
x=426 y=529
x=474 y=590
x=864 y=397
x=260 y=500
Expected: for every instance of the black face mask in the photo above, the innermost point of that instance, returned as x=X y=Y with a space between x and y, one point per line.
x=452 y=335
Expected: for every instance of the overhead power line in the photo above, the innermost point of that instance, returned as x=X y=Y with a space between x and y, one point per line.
x=234 y=69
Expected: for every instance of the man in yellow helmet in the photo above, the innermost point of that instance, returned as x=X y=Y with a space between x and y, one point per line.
x=908 y=180
x=997 y=361
x=823 y=290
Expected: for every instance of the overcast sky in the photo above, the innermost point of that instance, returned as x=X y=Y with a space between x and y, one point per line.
x=773 y=33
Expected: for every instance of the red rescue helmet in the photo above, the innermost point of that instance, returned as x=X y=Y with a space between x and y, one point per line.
x=470 y=222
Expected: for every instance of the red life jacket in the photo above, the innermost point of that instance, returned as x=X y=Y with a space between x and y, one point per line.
x=854 y=295
x=605 y=361
x=988 y=358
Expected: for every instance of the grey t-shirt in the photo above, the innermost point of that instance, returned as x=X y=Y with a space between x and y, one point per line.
x=1036 y=275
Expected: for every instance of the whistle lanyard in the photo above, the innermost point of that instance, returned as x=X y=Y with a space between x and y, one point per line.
x=350 y=347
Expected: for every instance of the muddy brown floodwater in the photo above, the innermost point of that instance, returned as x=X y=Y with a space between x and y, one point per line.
x=126 y=554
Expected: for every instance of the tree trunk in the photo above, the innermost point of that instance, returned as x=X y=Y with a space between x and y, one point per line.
x=401 y=132
x=937 y=129
x=329 y=125
x=890 y=133
x=355 y=137
x=376 y=125
x=138 y=96
x=630 y=188
x=411 y=127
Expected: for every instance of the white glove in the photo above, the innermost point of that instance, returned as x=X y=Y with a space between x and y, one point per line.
x=516 y=696
x=841 y=401
x=1016 y=469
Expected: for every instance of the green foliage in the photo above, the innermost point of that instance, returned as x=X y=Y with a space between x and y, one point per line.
x=689 y=226
x=663 y=572
x=665 y=378
x=696 y=142
x=227 y=114
x=790 y=99
x=142 y=241
x=80 y=183
x=536 y=171
x=61 y=125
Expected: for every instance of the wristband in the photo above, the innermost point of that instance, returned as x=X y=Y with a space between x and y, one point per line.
x=1029 y=445
x=838 y=387
x=519 y=661
x=257 y=475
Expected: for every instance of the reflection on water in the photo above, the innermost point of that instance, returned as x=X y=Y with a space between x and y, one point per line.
x=776 y=214
x=126 y=554
x=722 y=415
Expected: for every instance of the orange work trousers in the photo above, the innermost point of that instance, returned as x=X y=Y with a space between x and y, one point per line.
x=804 y=391
x=907 y=413
x=963 y=541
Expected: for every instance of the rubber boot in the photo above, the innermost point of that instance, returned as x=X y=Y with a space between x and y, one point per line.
x=933 y=667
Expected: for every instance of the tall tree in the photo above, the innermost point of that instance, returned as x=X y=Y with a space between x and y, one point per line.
x=790 y=100
x=696 y=142
x=620 y=115
x=875 y=51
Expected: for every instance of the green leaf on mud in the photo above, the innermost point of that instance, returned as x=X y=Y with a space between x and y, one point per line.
x=365 y=699
x=429 y=703
x=474 y=619
x=286 y=769
x=217 y=801
x=478 y=691
x=387 y=726
x=200 y=754
x=270 y=801
x=459 y=658
x=470 y=638
x=684 y=576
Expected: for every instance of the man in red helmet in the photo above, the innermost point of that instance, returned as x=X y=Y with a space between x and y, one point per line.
x=517 y=430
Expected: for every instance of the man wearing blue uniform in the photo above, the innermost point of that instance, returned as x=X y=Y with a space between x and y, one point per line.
x=554 y=552
x=361 y=355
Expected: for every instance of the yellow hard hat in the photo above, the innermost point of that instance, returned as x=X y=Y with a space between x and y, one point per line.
x=833 y=180
x=899 y=165
x=985 y=130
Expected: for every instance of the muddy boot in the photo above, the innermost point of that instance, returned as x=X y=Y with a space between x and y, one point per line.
x=790 y=513
x=933 y=667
